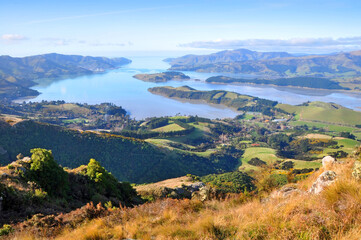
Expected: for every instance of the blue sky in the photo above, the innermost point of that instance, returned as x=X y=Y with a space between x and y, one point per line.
x=115 y=28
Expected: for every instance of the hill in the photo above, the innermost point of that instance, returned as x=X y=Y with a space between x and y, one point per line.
x=24 y=72
x=230 y=99
x=38 y=185
x=308 y=82
x=128 y=159
x=335 y=66
x=225 y=56
x=323 y=113
x=161 y=77
x=295 y=211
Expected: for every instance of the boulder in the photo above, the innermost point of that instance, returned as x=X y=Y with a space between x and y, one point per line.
x=356 y=170
x=285 y=191
x=203 y=194
x=327 y=162
x=324 y=180
x=195 y=186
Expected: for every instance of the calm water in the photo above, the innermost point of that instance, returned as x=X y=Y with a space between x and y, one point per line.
x=119 y=87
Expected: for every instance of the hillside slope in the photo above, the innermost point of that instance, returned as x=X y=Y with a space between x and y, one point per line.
x=292 y=212
x=25 y=71
x=226 y=56
x=337 y=65
x=128 y=159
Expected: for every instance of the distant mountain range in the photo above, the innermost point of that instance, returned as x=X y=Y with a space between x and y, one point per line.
x=338 y=65
x=17 y=74
x=225 y=57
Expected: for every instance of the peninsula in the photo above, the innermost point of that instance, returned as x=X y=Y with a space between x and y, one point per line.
x=161 y=77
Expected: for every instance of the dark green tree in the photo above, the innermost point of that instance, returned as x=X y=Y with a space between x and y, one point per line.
x=47 y=173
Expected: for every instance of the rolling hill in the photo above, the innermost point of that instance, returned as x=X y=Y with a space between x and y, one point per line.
x=225 y=56
x=339 y=65
x=19 y=73
x=128 y=159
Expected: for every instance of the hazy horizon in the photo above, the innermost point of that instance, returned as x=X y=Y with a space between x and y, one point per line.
x=121 y=28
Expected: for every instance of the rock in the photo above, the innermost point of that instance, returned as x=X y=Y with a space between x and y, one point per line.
x=203 y=194
x=285 y=191
x=356 y=170
x=327 y=162
x=183 y=193
x=324 y=180
x=196 y=186
x=4 y=175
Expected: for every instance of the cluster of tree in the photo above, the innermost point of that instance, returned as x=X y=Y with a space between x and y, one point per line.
x=231 y=182
x=288 y=146
x=257 y=162
x=157 y=122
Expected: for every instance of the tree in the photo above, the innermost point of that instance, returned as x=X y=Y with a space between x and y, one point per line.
x=106 y=183
x=47 y=173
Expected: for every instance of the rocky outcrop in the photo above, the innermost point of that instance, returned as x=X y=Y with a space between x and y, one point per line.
x=356 y=170
x=286 y=191
x=324 y=180
x=328 y=162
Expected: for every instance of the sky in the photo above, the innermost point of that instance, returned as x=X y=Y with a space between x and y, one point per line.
x=174 y=28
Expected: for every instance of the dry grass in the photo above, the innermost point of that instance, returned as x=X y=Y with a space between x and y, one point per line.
x=334 y=214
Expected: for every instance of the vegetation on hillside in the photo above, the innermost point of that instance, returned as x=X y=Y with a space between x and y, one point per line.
x=161 y=77
x=38 y=184
x=332 y=214
x=308 y=82
x=18 y=74
x=229 y=99
x=342 y=67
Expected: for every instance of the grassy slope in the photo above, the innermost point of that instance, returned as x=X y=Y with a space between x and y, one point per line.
x=333 y=214
x=324 y=112
x=265 y=154
x=169 y=128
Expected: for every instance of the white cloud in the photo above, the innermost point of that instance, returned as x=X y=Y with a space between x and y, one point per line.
x=110 y=44
x=58 y=41
x=295 y=43
x=13 y=37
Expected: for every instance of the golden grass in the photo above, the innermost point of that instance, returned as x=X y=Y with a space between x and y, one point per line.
x=333 y=214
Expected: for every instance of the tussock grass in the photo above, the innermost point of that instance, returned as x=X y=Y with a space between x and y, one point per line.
x=333 y=214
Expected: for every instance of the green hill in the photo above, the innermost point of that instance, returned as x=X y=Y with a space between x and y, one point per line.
x=323 y=112
x=340 y=65
x=161 y=77
x=308 y=82
x=233 y=100
x=128 y=159
x=23 y=72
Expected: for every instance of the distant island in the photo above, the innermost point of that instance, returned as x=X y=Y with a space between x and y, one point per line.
x=307 y=82
x=18 y=74
x=161 y=77
x=343 y=67
x=233 y=100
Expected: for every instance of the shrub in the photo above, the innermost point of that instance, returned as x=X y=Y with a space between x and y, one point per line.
x=232 y=182
x=106 y=183
x=257 y=162
x=47 y=173
x=6 y=229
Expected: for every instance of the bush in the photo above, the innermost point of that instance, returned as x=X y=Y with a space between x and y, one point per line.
x=232 y=182
x=6 y=229
x=47 y=173
x=257 y=162
x=107 y=184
